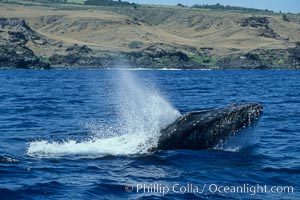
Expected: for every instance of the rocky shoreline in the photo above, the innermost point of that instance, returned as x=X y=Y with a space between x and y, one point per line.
x=18 y=42
x=14 y=53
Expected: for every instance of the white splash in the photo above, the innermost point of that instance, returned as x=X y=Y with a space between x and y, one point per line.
x=244 y=139
x=142 y=113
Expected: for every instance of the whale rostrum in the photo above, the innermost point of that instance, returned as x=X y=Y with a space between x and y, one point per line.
x=205 y=129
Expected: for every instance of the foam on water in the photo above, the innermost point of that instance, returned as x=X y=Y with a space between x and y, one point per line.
x=142 y=113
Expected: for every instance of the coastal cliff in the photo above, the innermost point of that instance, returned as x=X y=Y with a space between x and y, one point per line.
x=14 y=53
x=105 y=37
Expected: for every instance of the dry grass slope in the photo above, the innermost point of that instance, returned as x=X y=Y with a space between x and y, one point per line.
x=118 y=29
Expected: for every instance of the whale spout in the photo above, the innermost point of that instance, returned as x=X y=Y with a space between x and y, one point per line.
x=204 y=129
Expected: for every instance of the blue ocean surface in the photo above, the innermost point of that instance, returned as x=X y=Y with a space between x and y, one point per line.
x=86 y=134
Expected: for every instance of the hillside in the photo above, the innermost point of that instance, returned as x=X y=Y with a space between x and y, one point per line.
x=68 y=35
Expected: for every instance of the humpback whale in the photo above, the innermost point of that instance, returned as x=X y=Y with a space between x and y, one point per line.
x=206 y=128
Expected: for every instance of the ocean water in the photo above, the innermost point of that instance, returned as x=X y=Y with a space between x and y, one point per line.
x=85 y=134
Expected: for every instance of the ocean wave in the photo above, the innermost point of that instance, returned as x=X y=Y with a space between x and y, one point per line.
x=7 y=159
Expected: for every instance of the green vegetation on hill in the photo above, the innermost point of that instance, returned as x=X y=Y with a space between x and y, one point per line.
x=227 y=7
x=107 y=3
x=49 y=1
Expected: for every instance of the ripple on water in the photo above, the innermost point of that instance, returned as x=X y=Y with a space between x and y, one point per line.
x=56 y=112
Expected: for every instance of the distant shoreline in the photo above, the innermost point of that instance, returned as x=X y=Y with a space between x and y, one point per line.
x=80 y=36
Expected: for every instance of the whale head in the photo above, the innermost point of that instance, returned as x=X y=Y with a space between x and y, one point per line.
x=204 y=129
x=240 y=115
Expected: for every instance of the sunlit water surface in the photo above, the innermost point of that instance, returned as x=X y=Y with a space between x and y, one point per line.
x=85 y=134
